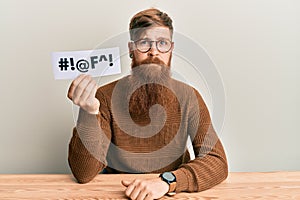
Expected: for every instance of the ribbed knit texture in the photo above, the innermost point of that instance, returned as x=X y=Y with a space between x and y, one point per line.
x=98 y=142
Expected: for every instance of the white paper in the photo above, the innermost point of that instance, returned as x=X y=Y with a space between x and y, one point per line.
x=98 y=62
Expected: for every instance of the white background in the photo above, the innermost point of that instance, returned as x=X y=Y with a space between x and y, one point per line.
x=254 y=44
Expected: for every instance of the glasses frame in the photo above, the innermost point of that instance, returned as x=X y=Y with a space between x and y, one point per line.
x=153 y=41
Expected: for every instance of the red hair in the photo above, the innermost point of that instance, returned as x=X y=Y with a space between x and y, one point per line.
x=148 y=18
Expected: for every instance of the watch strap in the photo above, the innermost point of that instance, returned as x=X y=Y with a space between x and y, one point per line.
x=172 y=184
x=172 y=187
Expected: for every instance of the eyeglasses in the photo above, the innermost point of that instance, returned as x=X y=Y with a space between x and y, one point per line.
x=144 y=45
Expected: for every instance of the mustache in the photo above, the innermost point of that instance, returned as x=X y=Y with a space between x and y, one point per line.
x=148 y=61
x=153 y=60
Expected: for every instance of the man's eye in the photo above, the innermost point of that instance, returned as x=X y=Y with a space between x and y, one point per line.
x=143 y=42
x=163 y=42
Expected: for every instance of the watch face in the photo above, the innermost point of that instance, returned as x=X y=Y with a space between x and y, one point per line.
x=168 y=176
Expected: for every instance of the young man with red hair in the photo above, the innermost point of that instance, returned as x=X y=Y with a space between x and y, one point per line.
x=141 y=123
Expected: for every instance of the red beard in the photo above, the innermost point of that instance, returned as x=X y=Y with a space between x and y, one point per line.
x=148 y=72
x=150 y=69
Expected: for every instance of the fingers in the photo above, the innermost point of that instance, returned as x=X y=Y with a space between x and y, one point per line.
x=94 y=88
x=142 y=195
x=81 y=89
x=137 y=190
x=125 y=183
x=82 y=92
x=149 y=197
x=73 y=86
x=89 y=90
x=130 y=189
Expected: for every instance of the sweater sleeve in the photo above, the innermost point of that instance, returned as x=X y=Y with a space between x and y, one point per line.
x=90 y=142
x=209 y=167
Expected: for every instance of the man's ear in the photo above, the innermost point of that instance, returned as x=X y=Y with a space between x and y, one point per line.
x=172 y=48
x=130 y=48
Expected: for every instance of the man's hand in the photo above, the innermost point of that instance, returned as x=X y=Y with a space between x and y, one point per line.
x=145 y=189
x=82 y=92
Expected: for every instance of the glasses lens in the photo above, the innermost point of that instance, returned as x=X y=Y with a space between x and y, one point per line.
x=143 y=45
x=164 y=45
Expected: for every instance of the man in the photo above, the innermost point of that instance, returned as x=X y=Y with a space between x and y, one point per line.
x=141 y=123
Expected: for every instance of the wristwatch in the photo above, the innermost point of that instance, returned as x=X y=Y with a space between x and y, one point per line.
x=169 y=178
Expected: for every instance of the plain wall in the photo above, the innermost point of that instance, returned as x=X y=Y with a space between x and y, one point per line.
x=255 y=46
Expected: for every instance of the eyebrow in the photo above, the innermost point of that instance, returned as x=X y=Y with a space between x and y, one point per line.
x=160 y=38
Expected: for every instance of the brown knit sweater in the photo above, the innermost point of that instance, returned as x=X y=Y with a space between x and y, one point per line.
x=122 y=139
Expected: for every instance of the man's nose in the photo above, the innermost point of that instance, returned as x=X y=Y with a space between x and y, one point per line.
x=153 y=50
